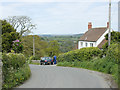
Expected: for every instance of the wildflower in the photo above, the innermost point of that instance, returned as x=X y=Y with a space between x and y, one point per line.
x=16 y=41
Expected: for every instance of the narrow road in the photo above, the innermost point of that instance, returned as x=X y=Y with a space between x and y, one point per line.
x=50 y=76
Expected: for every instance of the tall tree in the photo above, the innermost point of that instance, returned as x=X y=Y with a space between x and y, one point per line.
x=22 y=24
x=9 y=34
x=115 y=36
x=53 y=48
x=40 y=46
x=66 y=46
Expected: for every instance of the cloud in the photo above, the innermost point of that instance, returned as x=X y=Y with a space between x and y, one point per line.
x=62 y=17
x=57 y=0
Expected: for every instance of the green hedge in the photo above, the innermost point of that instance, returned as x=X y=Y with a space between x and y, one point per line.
x=0 y=55
x=84 y=54
x=15 y=70
x=85 y=58
x=113 y=53
x=14 y=61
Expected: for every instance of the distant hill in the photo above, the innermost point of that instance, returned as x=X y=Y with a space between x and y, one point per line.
x=62 y=35
x=60 y=38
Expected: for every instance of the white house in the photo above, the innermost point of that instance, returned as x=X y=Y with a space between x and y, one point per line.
x=94 y=37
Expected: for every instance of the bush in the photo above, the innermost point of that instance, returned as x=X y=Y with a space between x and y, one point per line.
x=15 y=70
x=84 y=54
x=0 y=55
x=34 y=58
x=113 y=53
x=17 y=46
x=14 y=61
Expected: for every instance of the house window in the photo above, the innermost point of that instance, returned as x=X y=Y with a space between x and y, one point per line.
x=86 y=44
x=91 y=44
x=81 y=44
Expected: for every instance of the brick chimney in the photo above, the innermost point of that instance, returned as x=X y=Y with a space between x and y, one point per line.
x=89 y=25
x=107 y=24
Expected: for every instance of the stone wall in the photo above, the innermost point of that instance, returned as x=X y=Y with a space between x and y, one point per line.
x=0 y=74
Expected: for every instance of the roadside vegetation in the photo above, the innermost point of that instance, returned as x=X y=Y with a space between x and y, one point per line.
x=15 y=65
x=0 y=55
x=106 y=60
x=15 y=70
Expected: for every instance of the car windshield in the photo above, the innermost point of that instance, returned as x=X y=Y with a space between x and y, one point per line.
x=46 y=58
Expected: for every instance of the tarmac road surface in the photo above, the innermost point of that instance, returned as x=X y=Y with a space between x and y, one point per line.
x=51 y=76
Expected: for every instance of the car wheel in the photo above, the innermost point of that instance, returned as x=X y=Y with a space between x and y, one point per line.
x=40 y=63
x=51 y=63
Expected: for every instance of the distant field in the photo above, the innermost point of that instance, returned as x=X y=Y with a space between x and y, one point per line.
x=74 y=37
x=66 y=42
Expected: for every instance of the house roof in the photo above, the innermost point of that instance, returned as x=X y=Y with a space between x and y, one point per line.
x=102 y=43
x=93 y=34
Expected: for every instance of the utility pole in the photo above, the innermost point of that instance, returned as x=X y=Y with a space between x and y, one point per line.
x=109 y=34
x=33 y=45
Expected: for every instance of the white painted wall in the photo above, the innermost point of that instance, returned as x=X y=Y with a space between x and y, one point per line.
x=84 y=44
x=95 y=44
x=101 y=38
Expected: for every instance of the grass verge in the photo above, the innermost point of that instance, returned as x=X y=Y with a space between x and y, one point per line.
x=15 y=78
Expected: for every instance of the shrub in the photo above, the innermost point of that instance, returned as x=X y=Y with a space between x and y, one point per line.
x=17 y=46
x=113 y=53
x=12 y=60
x=34 y=58
x=84 y=54
x=15 y=70
x=14 y=78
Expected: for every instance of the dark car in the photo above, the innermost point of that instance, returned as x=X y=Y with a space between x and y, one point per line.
x=46 y=61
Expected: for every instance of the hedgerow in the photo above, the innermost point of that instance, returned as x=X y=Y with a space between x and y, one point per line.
x=84 y=54
x=89 y=58
x=15 y=70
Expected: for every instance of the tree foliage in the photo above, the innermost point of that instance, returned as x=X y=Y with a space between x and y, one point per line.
x=9 y=34
x=40 y=46
x=115 y=38
x=53 y=48
x=66 y=46
x=22 y=24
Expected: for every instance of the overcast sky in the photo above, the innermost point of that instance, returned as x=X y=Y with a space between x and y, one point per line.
x=62 y=16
